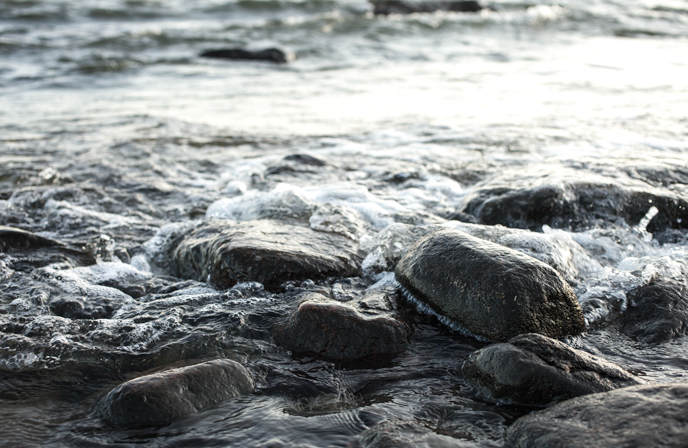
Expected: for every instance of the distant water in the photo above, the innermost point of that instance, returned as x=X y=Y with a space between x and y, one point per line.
x=110 y=124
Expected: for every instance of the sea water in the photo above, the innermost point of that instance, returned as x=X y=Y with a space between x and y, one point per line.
x=115 y=133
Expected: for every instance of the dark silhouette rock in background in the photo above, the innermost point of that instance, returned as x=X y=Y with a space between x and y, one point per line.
x=160 y=398
x=639 y=416
x=657 y=312
x=270 y=55
x=490 y=290
x=534 y=369
x=403 y=7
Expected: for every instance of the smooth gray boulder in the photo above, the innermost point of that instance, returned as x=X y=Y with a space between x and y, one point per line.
x=160 y=398
x=490 y=290
x=639 y=416
x=657 y=312
x=535 y=369
x=227 y=252
x=342 y=331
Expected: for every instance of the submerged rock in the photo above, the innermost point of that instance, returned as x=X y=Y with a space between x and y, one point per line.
x=657 y=312
x=640 y=416
x=405 y=434
x=534 y=369
x=406 y=7
x=270 y=54
x=341 y=331
x=227 y=252
x=490 y=290
x=160 y=398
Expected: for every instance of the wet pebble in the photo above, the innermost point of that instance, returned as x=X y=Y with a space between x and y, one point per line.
x=534 y=369
x=340 y=331
x=163 y=397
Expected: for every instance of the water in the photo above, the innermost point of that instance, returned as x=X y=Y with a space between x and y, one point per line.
x=115 y=136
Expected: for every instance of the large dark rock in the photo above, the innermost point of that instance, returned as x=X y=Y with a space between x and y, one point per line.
x=270 y=252
x=270 y=55
x=30 y=251
x=640 y=416
x=657 y=312
x=490 y=290
x=534 y=369
x=405 y=7
x=160 y=398
x=341 y=331
x=576 y=205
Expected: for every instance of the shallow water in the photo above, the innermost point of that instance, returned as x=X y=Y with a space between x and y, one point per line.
x=115 y=136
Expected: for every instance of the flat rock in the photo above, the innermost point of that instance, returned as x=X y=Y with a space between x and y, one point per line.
x=160 y=398
x=270 y=252
x=657 y=312
x=490 y=290
x=639 y=416
x=535 y=369
x=331 y=329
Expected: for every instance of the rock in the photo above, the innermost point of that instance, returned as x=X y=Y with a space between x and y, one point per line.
x=341 y=331
x=576 y=204
x=490 y=290
x=30 y=251
x=270 y=55
x=85 y=308
x=657 y=312
x=534 y=369
x=639 y=416
x=226 y=252
x=160 y=398
x=403 y=7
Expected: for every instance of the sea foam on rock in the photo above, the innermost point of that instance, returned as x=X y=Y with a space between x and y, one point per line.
x=354 y=328
x=270 y=252
x=657 y=312
x=160 y=398
x=639 y=416
x=490 y=290
x=535 y=369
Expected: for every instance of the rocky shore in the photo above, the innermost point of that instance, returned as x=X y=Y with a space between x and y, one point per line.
x=328 y=311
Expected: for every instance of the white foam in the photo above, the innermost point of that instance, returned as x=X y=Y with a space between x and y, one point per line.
x=109 y=271
x=72 y=283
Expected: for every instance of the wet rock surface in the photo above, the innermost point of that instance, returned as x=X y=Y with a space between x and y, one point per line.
x=28 y=251
x=657 y=312
x=160 y=398
x=576 y=204
x=341 y=326
x=270 y=252
x=630 y=417
x=534 y=369
x=488 y=289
